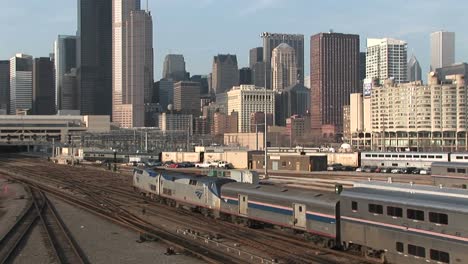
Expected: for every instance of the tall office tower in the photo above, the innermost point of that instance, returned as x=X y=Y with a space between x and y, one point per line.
x=307 y=81
x=272 y=40
x=258 y=74
x=132 y=34
x=386 y=58
x=362 y=66
x=442 y=49
x=65 y=61
x=255 y=55
x=69 y=91
x=4 y=86
x=21 y=82
x=174 y=68
x=414 y=70
x=225 y=73
x=166 y=93
x=187 y=97
x=245 y=76
x=94 y=58
x=293 y=100
x=203 y=80
x=283 y=67
x=334 y=74
x=43 y=87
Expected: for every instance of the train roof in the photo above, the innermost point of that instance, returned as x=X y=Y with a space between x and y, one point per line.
x=451 y=164
x=281 y=193
x=411 y=195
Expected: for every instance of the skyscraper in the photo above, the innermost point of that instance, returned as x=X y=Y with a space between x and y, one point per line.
x=166 y=93
x=174 y=68
x=258 y=74
x=283 y=67
x=442 y=49
x=69 y=92
x=20 y=82
x=4 y=85
x=414 y=70
x=362 y=66
x=132 y=34
x=255 y=55
x=203 y=80
x=65 y=60
x=43 y=96
x=245 y=76
x=225 y=73
x=187 y=97
x=386 y=58
x=95 y=56
x=334 y=73
x=272 y=40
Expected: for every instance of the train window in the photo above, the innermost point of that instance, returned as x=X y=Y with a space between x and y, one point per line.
x=461 y=170
x=401 y=156
x=375 y=208
x=438 y=218
x=438 y=157
x=394 y=164
x=399 y=247
x=193 y=182
x=450 y=169
x=409 y=156
x=440 y=256
x=368 y=155
x=459 y=157
x=374 y=155
x=153 y=187
x=431 y=156
x=354 y=206
x=394 y=211
x=394 y=156
x=415 y=214
x=388 y=156
x=381 y=156
x=423 y=156
x=465 y=157
x=416 y=156
x=416 y=251
x=300 y=209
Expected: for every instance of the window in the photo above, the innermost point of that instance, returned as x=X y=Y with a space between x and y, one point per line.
x=399 y=247
x=381 y=155
x=451 y=170
x=461 y=170
x=431 y=156
x=415 y=214
x=394 y=211
x=416 y=156
x=153 y=187
x=388 y=156
x=394 y=164
x=440 y=256
x=423 y=156
x=300 y=209
x=459 y=157
x=409 y=156
x=394 y=156
x=283 y=164
x=354 y=206
x=438 y=157
x=375 y=208
x=416 y=251
x=438 y=218
x=368 y=155
x=193 y=182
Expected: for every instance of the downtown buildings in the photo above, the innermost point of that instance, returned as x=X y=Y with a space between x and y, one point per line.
x=225 y=73
x=283 y=67
x=65 y=50
x=174 y=68
x=414 y=70
x=4 y=86
x=21 y=75
x=442 y=49
x=387 y=58
x=43 y=89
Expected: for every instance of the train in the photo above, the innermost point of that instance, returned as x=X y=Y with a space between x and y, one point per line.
x=390 y=222
x=410 y=159
x=450 y=174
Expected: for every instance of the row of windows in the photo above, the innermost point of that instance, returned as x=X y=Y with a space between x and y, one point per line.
x=403 y=156
x=413 y=214
x=453 y=170
x=418 y=251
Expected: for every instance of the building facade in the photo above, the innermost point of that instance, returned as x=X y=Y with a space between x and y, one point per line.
x=334 y=74
x=69 y=93
x=4 y=86
x=248 y=99
x=258 y=74
x=176 y=123
x=414 y=70
x=442 y=49
x=174 y=68
x=387 y=58
x=132 y=64
x=283 y=67
x=255 y=56
x=271 y=41
x=187 y=98
x=65 y=48
x=294 y=100
x=257 y=121
x=21 y=73
x=455 y=69
x=94 y=73
x=43 y=95
x=296 y=128
x=245 y=76
x=223 y=123
x=203 y=81
x=225 y=73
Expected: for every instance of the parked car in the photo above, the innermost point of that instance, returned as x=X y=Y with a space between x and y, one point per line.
x=153 y=163
x=416 y=171
x=370 y=169
x=396 y=171
x=347 y=168
x=425 y=172
x=335 y=167
x=386 y=170
x=359 y=169
x=408 y=170
x=378 y=170
x=203 y=165
x=173 y=165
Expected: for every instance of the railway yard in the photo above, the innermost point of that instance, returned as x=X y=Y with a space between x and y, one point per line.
x=146 y=229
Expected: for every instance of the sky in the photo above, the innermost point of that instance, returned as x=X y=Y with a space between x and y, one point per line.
x=201 y=29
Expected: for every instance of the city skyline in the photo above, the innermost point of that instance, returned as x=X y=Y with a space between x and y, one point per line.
x=235 y=34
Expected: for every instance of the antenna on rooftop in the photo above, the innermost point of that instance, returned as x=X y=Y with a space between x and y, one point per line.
x=147 y=6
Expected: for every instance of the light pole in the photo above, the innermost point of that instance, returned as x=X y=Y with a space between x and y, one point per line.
x=266 y=126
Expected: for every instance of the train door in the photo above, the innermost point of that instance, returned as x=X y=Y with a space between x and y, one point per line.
x=299 y=215
x=274 y=165
x=243 y=204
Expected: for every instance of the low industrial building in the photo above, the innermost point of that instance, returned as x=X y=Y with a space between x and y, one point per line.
x=290 y=162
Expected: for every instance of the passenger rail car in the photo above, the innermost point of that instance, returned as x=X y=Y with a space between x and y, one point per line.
x=450 y=174
x=401 y=224
x=403 y=159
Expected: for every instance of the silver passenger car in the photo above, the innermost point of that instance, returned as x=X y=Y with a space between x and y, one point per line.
x=305 y=210
x=403 y=223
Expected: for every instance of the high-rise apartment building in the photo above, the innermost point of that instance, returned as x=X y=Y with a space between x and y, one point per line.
x=94 y=74
x=414 y=70
x=132 y=34
x=187 y=97
x=4 y=85
x=272 y=40
x=43 y=95
x=65 y=60
x=334 y=74
x=283 y=67
x=442 y=49
x=21 y=68
x=387 y=58
x=174 y=68
x=248 y=99
x=225 y=73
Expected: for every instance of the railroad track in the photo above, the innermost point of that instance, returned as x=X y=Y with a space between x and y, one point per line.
x=41 y=212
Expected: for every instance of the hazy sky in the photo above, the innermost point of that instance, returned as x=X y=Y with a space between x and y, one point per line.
x=200 y=29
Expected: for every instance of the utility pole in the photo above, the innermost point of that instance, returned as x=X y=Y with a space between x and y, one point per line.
x=266 y=128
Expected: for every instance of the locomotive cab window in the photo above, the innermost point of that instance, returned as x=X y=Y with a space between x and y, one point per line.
x=440 y=256
x=193 y=182
x=416 y=251
x=394 y=211
x=438 y=218
x=375 y=208
x=415 y=214
x=399 y=247
x=354 y=206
